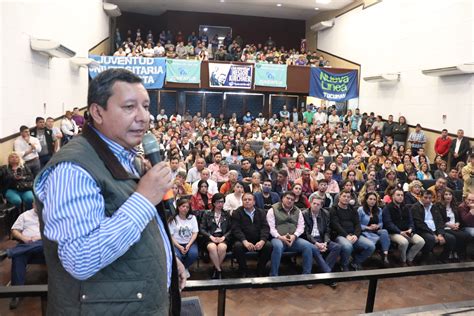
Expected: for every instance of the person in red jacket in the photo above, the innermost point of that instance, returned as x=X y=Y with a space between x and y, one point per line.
x=442 y=145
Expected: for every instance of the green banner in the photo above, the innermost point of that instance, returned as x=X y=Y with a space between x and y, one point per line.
x=183 y=71
x=270 y=75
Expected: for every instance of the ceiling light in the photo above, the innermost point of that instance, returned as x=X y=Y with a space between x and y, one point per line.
x=316 y=8
x=279 y=4
x=323 y=1
x=222 y=1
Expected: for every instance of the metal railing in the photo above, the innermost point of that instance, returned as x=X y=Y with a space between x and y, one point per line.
x=239 y=283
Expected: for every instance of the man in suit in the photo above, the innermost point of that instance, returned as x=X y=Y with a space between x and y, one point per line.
x=429 y=225
x=459 y=148
x=251 y=232
x=317 y=229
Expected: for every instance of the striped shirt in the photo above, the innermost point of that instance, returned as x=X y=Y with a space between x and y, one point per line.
x=74 y=217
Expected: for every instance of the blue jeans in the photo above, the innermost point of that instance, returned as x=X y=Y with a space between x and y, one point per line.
x=299 y=245
x=16 y=198
x=333 y=251
x=190 y=257
x=384 y=239
x=22 y=255
x=363 y=246
x=469 y=230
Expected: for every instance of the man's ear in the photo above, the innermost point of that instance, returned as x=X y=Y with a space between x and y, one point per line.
x=95 y=111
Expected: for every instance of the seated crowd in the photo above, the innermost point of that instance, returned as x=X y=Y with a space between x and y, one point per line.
x=168 y=45
x=334 y=188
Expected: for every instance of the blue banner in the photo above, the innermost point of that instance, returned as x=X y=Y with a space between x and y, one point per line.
x=183 y=71
x=151 y=70
x=270 y=75
x=230 y=76
x=333 y=87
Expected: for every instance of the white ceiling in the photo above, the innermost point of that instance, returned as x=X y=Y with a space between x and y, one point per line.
x=290 y=9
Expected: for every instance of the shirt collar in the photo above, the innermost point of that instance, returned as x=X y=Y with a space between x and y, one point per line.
x=116 y=148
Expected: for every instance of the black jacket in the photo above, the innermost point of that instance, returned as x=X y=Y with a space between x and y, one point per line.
x=463 y=148
x=244 y=229
x=400 y=132
x=441 y=209
x=323 y=225
x=209 y=225
x=418 y=212
x=397 y=218
x=345 y=222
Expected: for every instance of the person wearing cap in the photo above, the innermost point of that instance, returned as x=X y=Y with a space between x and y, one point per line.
x=28 y=148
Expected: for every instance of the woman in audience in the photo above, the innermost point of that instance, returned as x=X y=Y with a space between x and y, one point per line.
x=369 y=187
x=216 y=229
x=330 y=151
x=277 y=162
x=17 y=179
x=414 y=193
x=336 y=174
x=450 y=213
x=283 y=151
x=389 y=180
x=258 y=164
x=247 y=152
x=234 y=200
x=301 y=201
x=301 y=162
x=400 y=132
x=441 y=171
x=424 y=173
x=235 y=156
x=201 y=201
x=184 y=231
x=370 y=216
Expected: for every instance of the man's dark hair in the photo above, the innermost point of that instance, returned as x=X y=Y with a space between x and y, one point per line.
x=289 y=193
x=244 y=160
x=23 y=128
x=426 y=192
x=323 y=181
x=283 y=173
x=49 y=118
x=39 y=118
x=100 y=88
x=444 y=130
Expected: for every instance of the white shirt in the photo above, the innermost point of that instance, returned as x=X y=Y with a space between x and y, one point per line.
x=159 y=50
x=182 y=229
x=69 y=127
x=148 y=52
x=458 y=144
x=226 y=153
x=333 y=120
x=28 y=224
x=315 y=231
x=21 y=146
x=212 y=186
x=232 y=202
x=159 y=117
x=320 y=118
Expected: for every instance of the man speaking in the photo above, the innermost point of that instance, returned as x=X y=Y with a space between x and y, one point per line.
x=107 y=248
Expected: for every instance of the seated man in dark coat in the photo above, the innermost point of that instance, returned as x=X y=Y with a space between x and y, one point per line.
x=317 y=229
x=251 y=233
x=429 y=225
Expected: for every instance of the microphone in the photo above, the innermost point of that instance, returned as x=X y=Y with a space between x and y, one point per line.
x=151 y=148
x=152 y=153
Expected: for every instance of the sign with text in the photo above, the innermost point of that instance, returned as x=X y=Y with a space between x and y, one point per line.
x=183 y=71
x=230 y=76
x=270 y=75
x=151 y=70
x=333 y=87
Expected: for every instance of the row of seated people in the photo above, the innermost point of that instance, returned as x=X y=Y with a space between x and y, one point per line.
x=323 y=234
x=203 y=48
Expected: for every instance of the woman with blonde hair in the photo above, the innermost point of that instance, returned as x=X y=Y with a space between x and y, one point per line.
x=17 y=179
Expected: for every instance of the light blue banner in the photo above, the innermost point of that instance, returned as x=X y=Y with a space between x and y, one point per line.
x=151 y=70
x=270 y=75
x=183 y=71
